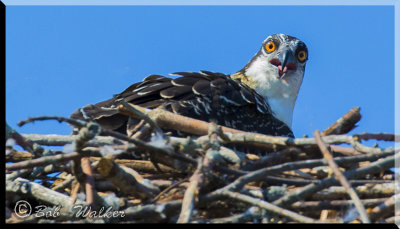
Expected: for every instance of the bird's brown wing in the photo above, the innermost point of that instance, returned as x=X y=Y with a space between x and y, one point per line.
x=204 y=95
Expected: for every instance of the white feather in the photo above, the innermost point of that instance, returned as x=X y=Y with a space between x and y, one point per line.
x=280 y=93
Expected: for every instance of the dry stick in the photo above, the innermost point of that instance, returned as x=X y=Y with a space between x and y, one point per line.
x=384 y=209
x=245 y=217
x=328 y=157
x=344 y=124
x=74 y=192
x=374 y=167
x=62 y=185
x=152 y=213
x=127 y=180
x=46 y=160
x=137 y=142
x=308 y=206
x=147 y=146
x=141 y=115
x=139 y=165
x=17 y=156
x=28 y=145
x=156 y=198
x=82 y=170
x=75 y=122
x=344 y=150
x=301 y=182
x=370 y=190
x=20 y=173
x=261 y=173
x=61 y=140
x=267 y=206
x=29 y=189
x=379 y=136
x=198 y=177
x=190 y=194
x=169 y=120
x=89 y=182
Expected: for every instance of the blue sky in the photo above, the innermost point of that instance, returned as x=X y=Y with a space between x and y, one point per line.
x=59 y=58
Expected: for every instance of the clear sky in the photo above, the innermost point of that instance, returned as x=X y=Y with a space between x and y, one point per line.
x=59 y=58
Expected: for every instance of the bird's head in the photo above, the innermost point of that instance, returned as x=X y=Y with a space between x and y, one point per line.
x=286 y=54
x=276 y=71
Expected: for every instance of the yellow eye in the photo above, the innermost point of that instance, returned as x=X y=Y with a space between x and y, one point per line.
x=270 y=46
x=302 y=56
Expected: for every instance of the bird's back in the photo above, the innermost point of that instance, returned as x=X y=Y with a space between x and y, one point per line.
x=205 y=96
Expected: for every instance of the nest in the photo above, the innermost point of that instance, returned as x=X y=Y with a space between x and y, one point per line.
x=102 y=176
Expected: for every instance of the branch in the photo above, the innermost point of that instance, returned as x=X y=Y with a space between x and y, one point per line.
x=344 y=124
x=342 y=179
x=374 y=167
x=125 y=179
x=267 y=206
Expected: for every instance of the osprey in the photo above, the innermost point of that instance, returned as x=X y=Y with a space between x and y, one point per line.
x=259 y=98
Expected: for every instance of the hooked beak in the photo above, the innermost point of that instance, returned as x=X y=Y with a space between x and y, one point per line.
x=284 y=62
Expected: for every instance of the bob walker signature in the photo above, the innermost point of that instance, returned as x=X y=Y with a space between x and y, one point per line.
x=23 y=209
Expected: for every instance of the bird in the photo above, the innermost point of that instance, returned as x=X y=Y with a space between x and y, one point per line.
x=258 y=98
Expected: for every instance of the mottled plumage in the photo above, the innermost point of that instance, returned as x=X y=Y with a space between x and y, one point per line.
x=241 y=101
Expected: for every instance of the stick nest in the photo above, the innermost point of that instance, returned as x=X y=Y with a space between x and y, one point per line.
x=102 y=176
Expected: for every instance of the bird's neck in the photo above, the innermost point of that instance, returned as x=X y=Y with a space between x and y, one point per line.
x=281 y=96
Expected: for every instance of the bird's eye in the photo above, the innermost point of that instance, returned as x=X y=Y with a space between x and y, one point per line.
x=302 y=56
x=270 y=46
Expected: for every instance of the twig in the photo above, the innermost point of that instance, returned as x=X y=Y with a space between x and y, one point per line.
x=191 y=192
x=46 y=160
x=301 y=182
x=344 y=150
x=16 y=156
x=374 y=167
x=19 y=173
x=139 y=114
x=27 y=189
x=378 y=136
x=89 y=182
x=140 y=165
x=156 y=198
x=169 y=120
x=385 y=209
x=74 y=192
x=267 y=206
x=125 y=179
x=342 y=179
x=344 y=124
x=261 y=173
x=62 y=185
x=75 y=122
x=153 y=213
x=310 y=206
x=247 y=216
x=369 y=190
x=28 y=145
x=61 y=140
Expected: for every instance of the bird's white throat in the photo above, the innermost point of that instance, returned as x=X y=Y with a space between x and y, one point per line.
x=281 y=94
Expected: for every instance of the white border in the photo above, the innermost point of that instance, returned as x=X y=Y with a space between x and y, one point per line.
x=199 y=2
x=395 y=3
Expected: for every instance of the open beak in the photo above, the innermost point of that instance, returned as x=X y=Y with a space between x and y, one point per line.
x=284 y=62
